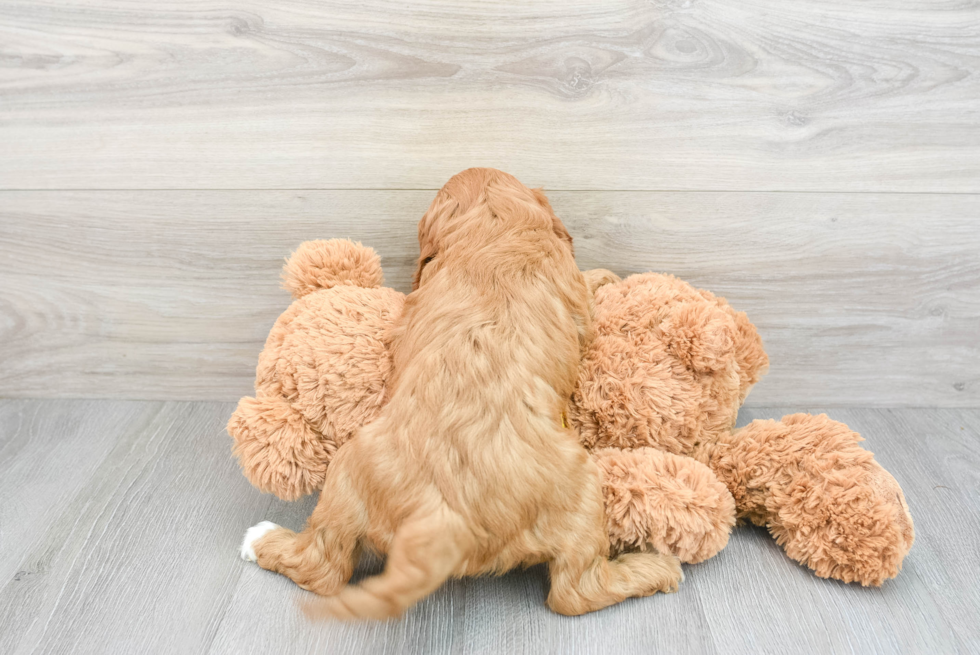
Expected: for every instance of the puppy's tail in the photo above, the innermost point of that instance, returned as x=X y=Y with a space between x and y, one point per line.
x=424 y=553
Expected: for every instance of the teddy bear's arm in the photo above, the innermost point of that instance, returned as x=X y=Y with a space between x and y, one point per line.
x=825 y=499
x=673 y=503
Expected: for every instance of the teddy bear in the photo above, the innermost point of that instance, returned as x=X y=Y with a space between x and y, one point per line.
x=655 y=405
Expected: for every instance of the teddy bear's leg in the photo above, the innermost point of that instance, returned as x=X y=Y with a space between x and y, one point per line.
x=673 y=503
x=322 y=557
x=278 y=450
x=825 y=499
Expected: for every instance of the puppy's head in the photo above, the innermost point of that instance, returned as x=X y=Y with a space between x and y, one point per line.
x=481 y=196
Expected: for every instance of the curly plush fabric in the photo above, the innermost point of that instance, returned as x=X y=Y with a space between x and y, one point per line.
x=673 y=503
x=278 y=451
x=822 y=496
x=324 y=264
x=322 y=373
x=667 y=372
x=667 y=368
x=333 y=364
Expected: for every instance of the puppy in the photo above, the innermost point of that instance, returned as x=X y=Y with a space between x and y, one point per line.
x=469 y=468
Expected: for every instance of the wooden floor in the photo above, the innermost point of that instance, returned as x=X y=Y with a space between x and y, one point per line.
x=120 y=523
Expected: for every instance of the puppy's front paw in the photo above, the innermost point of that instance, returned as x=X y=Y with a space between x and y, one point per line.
x=252 y=535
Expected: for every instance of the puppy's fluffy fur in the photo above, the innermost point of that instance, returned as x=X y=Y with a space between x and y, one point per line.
x=468 y=469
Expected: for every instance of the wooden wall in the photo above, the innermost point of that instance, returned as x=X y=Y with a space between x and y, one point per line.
x=817 y=163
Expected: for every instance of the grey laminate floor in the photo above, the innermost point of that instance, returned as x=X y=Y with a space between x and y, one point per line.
x=120 y=521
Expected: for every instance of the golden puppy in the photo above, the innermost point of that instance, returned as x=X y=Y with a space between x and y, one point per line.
x=469 y=469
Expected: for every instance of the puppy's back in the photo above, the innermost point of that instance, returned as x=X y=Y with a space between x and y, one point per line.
x=485 y=357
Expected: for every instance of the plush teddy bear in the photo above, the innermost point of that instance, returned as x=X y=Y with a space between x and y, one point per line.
x=655 y=404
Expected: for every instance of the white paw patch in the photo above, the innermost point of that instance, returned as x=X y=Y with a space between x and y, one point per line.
x=252 y=535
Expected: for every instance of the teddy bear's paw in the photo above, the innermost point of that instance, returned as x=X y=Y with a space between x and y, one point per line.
x=278 y=450
x=825 y=499
x=671 y=503
x=858 y=529
x=252 y=535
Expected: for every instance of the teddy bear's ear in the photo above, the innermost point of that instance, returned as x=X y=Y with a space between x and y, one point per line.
x=700 y=335
x=324 y=264
x=749 y=353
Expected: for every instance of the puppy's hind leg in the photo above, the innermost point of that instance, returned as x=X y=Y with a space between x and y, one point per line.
x=584 y=579
x=322 y=557
x=426 y=550
x=577 y=589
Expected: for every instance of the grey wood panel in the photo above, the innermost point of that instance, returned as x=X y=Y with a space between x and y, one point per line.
x=138 y=553
x=141 y=558
x=746 y=587
x=48 y=452
x=627 y=94
x=862 y=299
x=490 y=615
x=936 y=457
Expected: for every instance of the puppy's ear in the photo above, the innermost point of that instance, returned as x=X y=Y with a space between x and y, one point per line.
x=562 y=233
x=556 y=223
x=424 y=260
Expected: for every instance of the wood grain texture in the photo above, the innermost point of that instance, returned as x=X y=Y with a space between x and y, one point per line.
x=827 y=95
x=137 y=552
x=936 y=456
x=862 y=299
x=747 y=599
x=48 y=452
x=138 y=558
